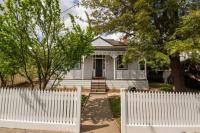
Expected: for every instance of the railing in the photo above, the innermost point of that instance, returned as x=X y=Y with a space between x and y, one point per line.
x=160 y=112
x=74 y=74
x=130 y=74
x=77 y=74
x=41 y=110
x=105 y=52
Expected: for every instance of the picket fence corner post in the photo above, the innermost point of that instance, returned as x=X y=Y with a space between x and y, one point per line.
x=78 y=110
x=123 y=110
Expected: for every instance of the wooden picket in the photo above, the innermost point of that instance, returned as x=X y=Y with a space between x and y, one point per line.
x=159 y=109
x=40 y=109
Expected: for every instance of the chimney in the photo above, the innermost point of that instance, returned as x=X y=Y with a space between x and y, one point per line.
x=124 y=39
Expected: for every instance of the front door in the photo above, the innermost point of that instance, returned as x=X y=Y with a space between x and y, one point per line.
x=99 y=68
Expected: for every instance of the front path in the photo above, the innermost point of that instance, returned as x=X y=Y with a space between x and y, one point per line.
x=97 y=116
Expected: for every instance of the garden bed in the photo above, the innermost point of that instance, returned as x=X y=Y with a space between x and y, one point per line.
x=115 y=108
x=157 y=86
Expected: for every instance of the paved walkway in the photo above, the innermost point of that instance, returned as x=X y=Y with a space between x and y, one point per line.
x=97 y=116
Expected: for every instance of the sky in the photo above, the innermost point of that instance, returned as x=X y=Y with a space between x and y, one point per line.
x=74 y=9
x=80 y=12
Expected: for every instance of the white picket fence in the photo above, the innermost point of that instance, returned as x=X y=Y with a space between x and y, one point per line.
x=40 y=110
x=160 y=112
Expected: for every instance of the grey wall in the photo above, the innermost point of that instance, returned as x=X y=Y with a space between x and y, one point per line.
x=88 y=67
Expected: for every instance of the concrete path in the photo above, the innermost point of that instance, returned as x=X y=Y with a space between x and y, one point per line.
x=97 y=116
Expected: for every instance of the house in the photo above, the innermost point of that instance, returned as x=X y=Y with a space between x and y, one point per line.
x=105 y=64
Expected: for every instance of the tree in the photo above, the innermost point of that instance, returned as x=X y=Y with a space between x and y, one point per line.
x=153 y=27
x=8 y=66
x=158 y=61
x=34 y=35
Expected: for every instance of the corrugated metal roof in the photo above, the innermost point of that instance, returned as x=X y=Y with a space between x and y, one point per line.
x=112 y=42
x=115 y=43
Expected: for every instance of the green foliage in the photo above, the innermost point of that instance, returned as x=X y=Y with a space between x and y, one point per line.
x=115 y=107
x=161 y=86
x=151 y=22
x=83 y=100
x=156 y=28
x=187 y=35
x=195 y=57
x=192 y=64
x=8 y=68
x=158 y=62
x=166 y=87
x=36 y=38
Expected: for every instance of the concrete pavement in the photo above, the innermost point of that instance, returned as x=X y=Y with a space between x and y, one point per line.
x=97 y=116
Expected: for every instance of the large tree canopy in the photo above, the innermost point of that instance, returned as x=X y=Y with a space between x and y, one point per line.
x=154 y=27
x=34 y=36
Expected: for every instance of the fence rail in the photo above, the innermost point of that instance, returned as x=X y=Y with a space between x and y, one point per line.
x=44 y=110
x=130 y=74
x=158 y=110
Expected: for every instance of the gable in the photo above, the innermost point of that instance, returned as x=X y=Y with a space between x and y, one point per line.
x=100 y=42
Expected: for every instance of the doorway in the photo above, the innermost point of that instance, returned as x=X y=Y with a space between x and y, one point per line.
x=99 y=68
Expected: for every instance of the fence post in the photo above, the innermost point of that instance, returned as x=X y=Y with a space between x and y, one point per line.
x=123 y=110
x=78 y=109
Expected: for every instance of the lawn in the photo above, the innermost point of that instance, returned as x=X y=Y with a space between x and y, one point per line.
x=83 y=100
x=160 y=86
x=115 y=107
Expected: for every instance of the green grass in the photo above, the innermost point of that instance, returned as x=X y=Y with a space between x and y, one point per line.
x=83 y=99
x=161 y=86
x=115 y=107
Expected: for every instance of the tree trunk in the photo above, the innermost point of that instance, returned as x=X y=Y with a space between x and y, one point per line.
x=12 y=80
x=44 y=84
x=31 y=82
x=177 y=73
x=3 y=81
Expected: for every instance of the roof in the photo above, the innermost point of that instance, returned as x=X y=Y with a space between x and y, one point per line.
x=112 y=42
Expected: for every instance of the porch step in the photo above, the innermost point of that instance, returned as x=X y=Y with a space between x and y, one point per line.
x=98 y=83
x=98 y=86
x=98 y=78
x=97 y=92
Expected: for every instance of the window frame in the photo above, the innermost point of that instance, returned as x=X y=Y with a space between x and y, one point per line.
x=119 y=62
x=77 y=68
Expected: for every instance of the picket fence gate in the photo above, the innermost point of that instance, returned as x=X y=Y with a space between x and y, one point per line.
x=40 y=110
x=160 y=112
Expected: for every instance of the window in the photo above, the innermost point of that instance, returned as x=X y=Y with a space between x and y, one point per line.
x=120 y=65
x=77 y=66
